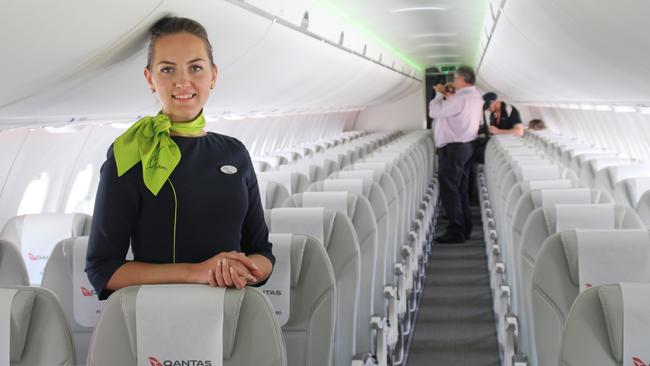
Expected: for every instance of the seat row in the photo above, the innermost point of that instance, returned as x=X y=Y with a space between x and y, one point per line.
x=553 y=231
x=351 y=254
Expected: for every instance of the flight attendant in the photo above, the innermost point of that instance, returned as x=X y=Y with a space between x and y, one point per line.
x=185 y=200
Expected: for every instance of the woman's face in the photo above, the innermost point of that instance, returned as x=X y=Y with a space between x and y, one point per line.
x=181 y=75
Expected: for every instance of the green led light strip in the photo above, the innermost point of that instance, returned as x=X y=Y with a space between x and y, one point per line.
x=368 y=33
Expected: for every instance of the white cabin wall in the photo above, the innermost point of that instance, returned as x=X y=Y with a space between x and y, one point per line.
x=264 y=135
x=408 y=113
x=64 y=153
x=627 y=133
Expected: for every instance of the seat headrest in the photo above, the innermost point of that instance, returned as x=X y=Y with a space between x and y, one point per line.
x=298 y=243
x=340 y=201
x=376 y=166
x=317 y=222
x=231 y=308
x=549 y=197
x=610 y=255
x=358 y=174
x=529 y=185
x=564 y=217
x=19 y=302
x=356 y=186
x=598 y=164
x=537 y=172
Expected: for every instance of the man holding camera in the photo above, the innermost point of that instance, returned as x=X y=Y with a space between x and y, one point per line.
x=457 y=122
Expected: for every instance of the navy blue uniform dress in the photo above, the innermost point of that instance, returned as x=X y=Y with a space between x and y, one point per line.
x=200 y=212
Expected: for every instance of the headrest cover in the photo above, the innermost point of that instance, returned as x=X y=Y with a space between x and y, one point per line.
x=376 y=166
x=283 y=178
x=537 y=172
x=597 y=257
x=550 y=197
x=86 y=305
x=530 y=185
x=316 y=222
x=598 y=164
x=636 y=322
x=359 y=174
x=278 y=286
x=40 y=234
x=564 y=217
x=342 y=202
x=179 y=322
x=356 y=186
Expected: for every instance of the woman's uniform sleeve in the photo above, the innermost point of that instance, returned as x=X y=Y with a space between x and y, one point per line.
x=255 y=234
x=115 y=213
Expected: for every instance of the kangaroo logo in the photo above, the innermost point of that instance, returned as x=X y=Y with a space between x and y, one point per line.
x=154 y=361
x=589 y=285
x=86 y=292
x=34 y=258
x=638 y=362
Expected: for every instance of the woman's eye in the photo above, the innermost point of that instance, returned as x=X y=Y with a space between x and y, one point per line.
x=196 y=68
x=166 y=70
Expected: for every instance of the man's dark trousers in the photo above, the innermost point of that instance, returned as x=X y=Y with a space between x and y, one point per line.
x=455 y=161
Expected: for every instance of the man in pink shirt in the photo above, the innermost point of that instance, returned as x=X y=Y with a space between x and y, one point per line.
x=457 y=120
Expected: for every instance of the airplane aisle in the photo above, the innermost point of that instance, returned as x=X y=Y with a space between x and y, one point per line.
x=455 y=323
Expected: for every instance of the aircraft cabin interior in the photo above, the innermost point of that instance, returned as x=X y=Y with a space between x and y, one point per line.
x=324 y=183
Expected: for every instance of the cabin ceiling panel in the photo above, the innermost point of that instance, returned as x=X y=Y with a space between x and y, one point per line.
x=263 y=65
x=563 y=51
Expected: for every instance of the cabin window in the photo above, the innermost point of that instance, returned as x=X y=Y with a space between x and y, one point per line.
x=78 y=199
x=34 y=197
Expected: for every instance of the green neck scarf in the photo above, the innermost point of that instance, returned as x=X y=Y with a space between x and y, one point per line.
x=148 y=141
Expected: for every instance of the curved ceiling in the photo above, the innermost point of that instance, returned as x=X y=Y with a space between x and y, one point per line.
x=430 y=33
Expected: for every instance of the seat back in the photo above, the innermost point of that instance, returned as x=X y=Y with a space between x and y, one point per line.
x=572 y=261
x=629 y=191
x=546 y=221
x=605 y=320
x=261 y=166
x=542 y=198
x=272 y=194
x=337 y=234
x=606 y=179
x=36 y=332
x=358 y=209
x=389 y=189
x=12 y=267
x=590 y=169
x=36 y=235
x=293 y=182
x=65 y=276
x=385 y=250
x=309 y=330
x=643 y=209
x=251 y=333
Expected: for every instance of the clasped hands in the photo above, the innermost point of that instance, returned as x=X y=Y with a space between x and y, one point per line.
x=229 y=269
